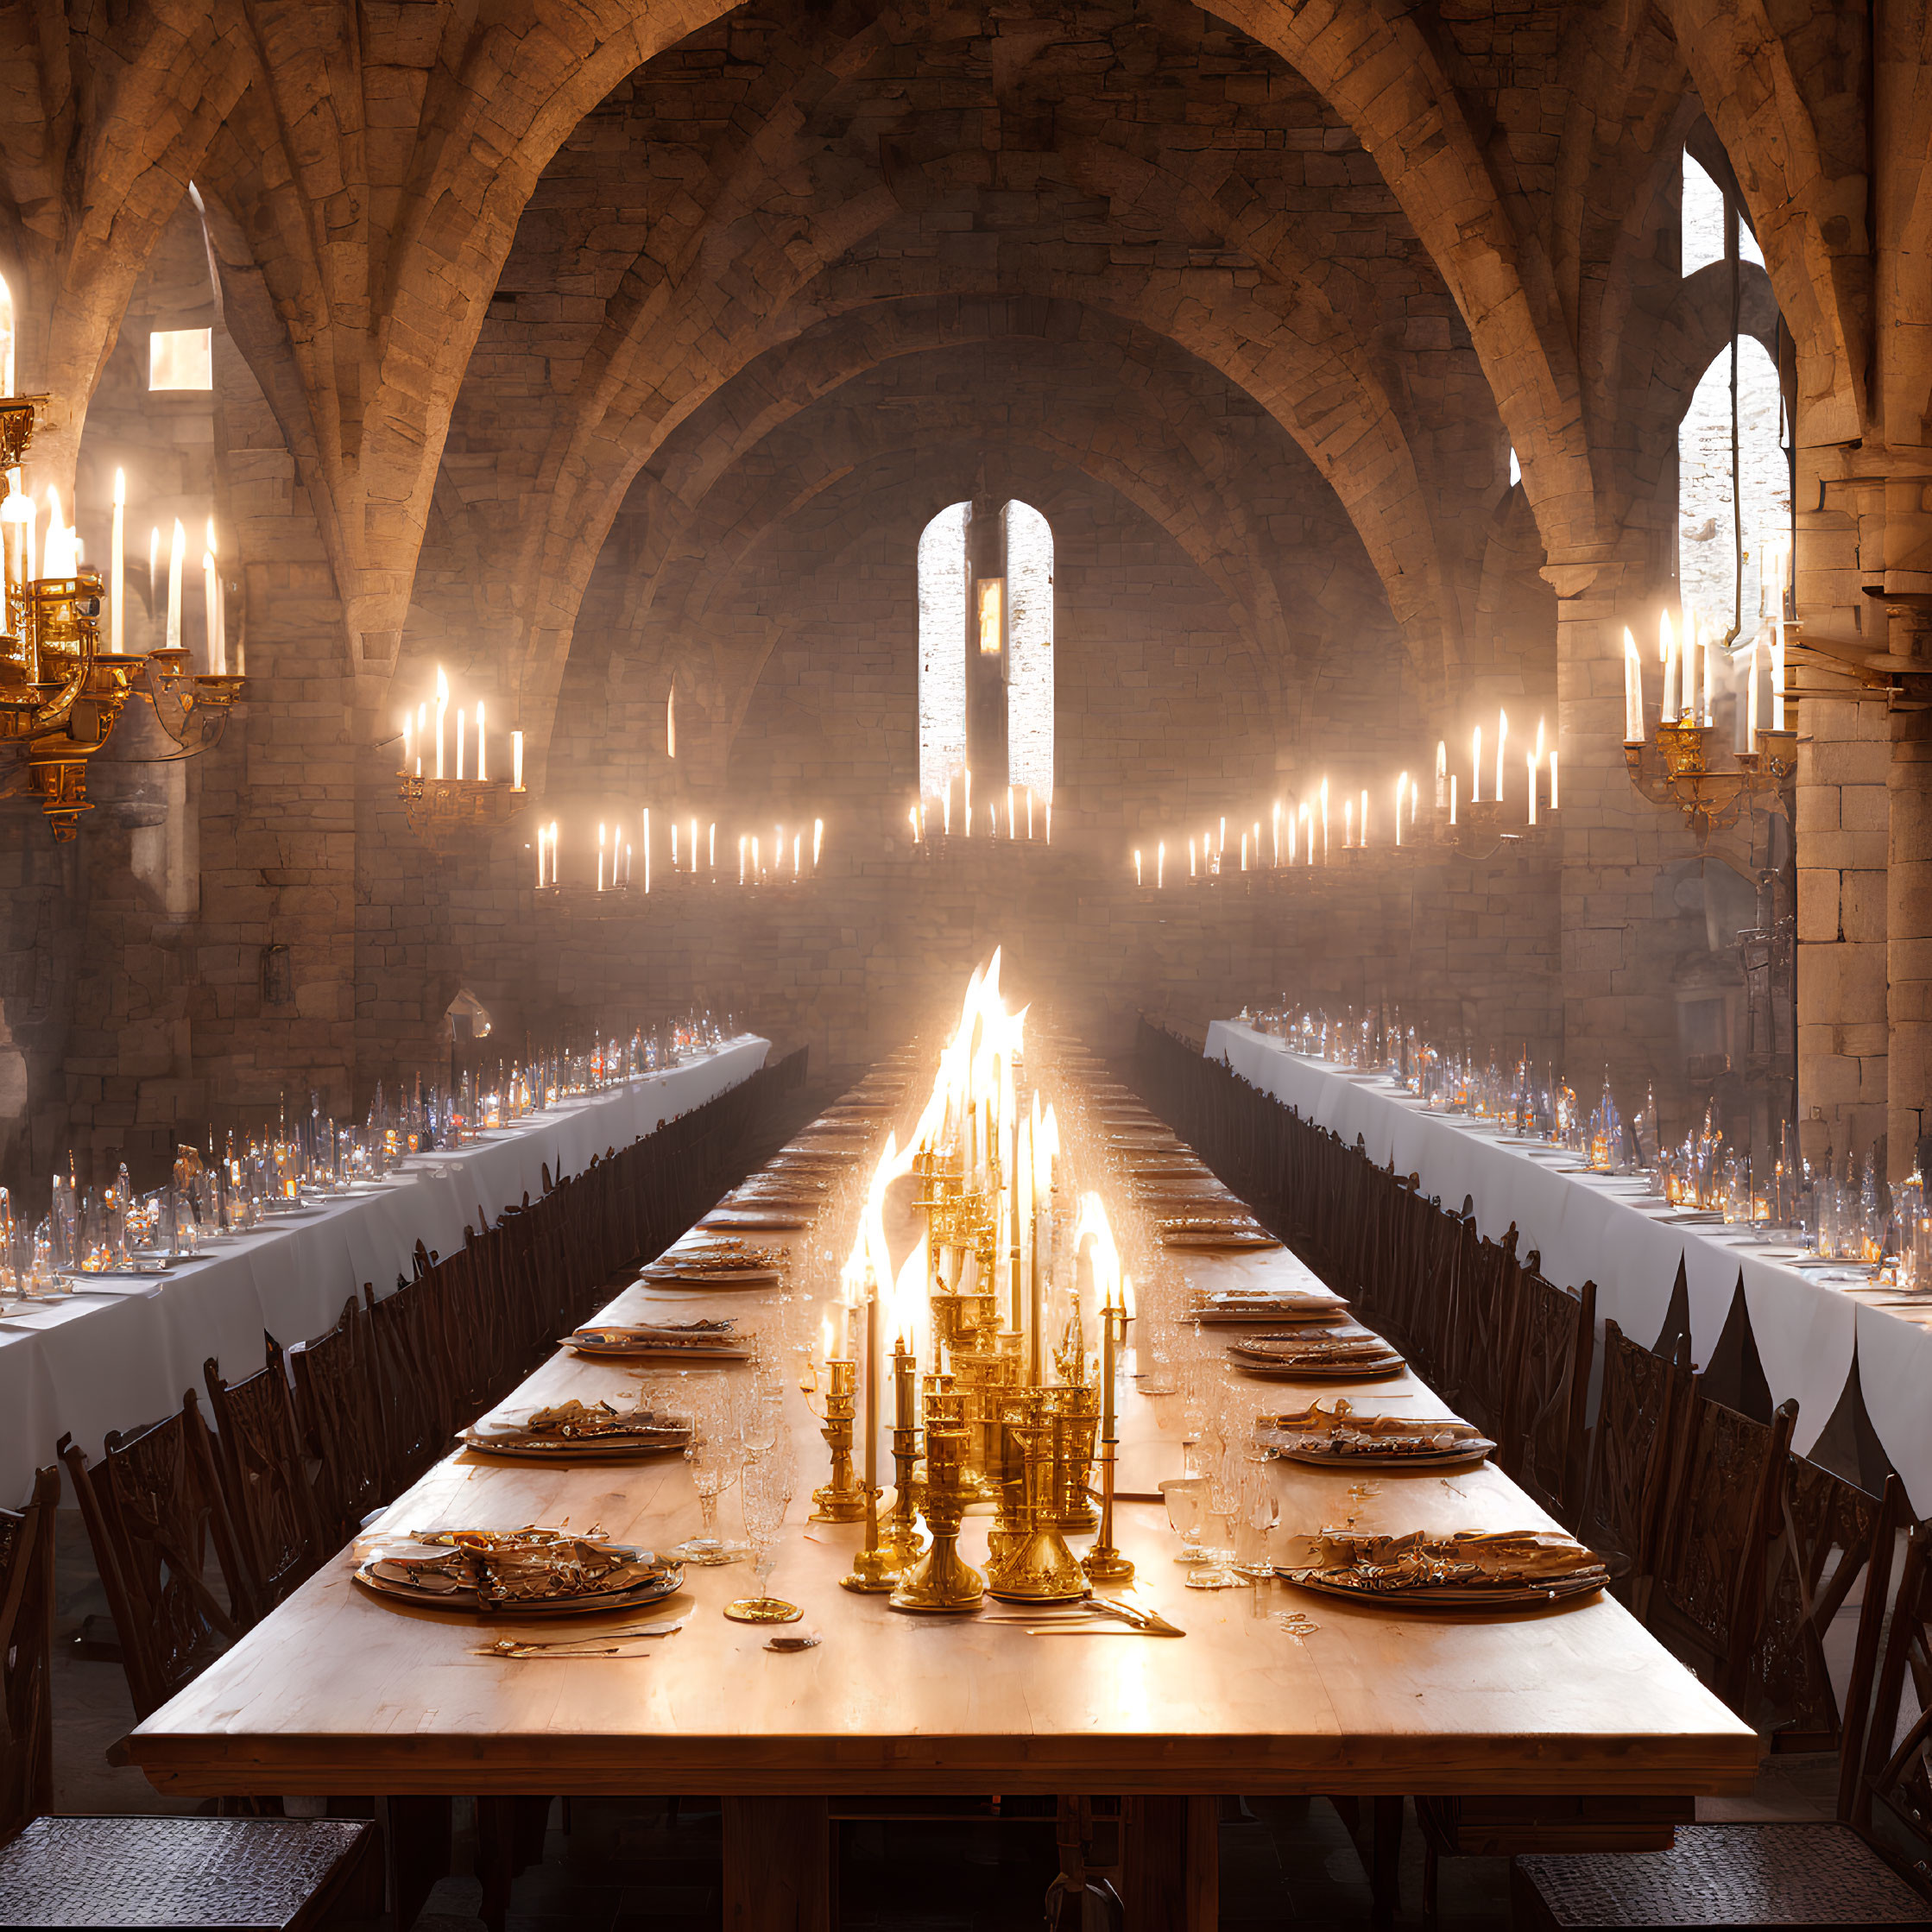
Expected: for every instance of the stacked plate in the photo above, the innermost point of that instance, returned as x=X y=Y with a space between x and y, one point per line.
x=515 y=1574
x=578 y=1432
x=1334 y=1436
x=1227 y=1307
x=704 y=1342
x=1351 y=1354
x=1471 y=1569
x=714 y=1264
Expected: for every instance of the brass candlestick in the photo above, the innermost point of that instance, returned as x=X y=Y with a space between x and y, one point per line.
x=1104 y=1563
x=943 y=1583
x=904 y=1539
x=839 y=1500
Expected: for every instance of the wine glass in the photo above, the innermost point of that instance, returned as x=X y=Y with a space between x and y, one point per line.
x=765 y=1494
x=714 y=1450
x=1221 y=1499
x=1183 y=1496
x=1255 y=1519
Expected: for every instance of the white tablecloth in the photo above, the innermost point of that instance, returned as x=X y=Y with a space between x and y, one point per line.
x=122 y=1356
x=1591 y=1227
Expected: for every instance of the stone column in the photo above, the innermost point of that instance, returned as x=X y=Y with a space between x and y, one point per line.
x=1909 y=938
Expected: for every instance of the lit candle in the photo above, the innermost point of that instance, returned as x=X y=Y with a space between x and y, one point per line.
x=462 y=718
x=516 y=760
x=1633 y=692
x=422 y=727
x=1050 y=821
x=1454 y=778
x=1554 y=800
x=757 y=863
x=1244 y=851
x=1348 y=823
x=968 y=801
x=117 y=565
x=1502 y=745
x=670 y=744
x=1136 y=878
x=1324 y=826
x=912 y=813
x=1221 y=844
x=210 y=596
x=712 y=847
x=797 y=840
x=553 y=852
x=1667 y=650
x=1029 y=816
x=741 y=858
x=1257 y=845
x=442 y=706
x=1278 y=831
x=176 y=556
x=1160 y=864
x=1190 y=871
x=220 y=631
x=539 y=858
x=601 y=837
x=483 y=773
x=1365 y=815
x=648 y=848
x=1401 y=784
x=1475 y=766
x=1530 y=762
x=1442 y=773
x=818 y=840
x=1010 y=811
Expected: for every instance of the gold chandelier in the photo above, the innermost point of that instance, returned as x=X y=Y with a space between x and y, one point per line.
x=61 y=692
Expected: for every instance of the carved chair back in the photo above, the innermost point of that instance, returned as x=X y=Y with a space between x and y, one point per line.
x=265 y=1481
x=26 y=1656
x=339 y=1414
x=1543 y=1431
x=153 y=1506
x=1639 y=1408
x=1707 y=1600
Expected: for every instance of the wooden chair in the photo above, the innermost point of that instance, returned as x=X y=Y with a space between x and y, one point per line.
x=338 y=1412
x=1707 y=1600
x=1830 y=1533
x=152 y=1505
x=1482 y=1368
x=1550 y=1353
x=1638 y=1408
x=1843 y=1873
x=265 y=1482
x=140 y=1870
x=409 y=1382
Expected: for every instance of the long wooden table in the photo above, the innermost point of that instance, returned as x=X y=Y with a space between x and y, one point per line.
x=336 y=1692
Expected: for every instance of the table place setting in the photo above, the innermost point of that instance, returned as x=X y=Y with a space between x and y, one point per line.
x=535 y=1571
x=698 y=1341
x=1337 y=1354
x=575 y=1431
x=1467 y=1569
x=1223 y=1307
x=1335 y=1436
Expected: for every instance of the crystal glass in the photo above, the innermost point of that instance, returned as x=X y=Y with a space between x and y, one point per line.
x=1254 y=1521
x=716 y=1452
x=765 y=1494
x=1184 y=1496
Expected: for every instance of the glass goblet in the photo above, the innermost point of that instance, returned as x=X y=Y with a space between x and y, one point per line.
x=1183 y=1496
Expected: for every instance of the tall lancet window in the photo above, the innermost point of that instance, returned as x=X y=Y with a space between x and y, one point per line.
x=986 y=660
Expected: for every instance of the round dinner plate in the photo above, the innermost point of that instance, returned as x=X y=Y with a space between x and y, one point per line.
x=573 y=1448
x=1514 y=1596
x=1370 y=1371
x=667 y=1582
x=1219 y=1238
x=1465 y=1456
x=618 y=1344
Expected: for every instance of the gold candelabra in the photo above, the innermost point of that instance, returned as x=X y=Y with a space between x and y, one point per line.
x=1032 y=1563
x=1674 y=768
x=442 y=813
x=1104 y=1563
x=61 y=694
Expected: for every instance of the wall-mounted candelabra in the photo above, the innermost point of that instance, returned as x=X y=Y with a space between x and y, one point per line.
x=1673 y=766
x=63 y=691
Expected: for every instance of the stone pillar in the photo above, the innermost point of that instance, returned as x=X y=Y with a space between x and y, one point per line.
x=1909 y=938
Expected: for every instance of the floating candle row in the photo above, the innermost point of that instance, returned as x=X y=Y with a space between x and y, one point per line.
x=625 y=858
x=428 y=737
x=1019 y=820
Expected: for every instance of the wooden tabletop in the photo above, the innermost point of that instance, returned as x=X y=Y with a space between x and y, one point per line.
x=337 y=1692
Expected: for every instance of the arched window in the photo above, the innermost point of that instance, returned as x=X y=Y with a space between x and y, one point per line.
x=986 y=622
x=1711 y=528
x=1703 y=218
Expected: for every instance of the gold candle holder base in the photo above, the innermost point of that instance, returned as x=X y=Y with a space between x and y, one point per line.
x=1040 y=1569
x=874 y=1573
x=762 y=1610
x=943 y=1585
x=1104 y=1563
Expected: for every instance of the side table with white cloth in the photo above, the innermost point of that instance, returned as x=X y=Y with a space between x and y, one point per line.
x=1807 y=1314
x=119 y=1353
